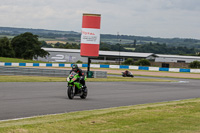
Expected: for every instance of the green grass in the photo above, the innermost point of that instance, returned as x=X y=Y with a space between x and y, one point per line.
x=10 y=37
x=47 y=39
x=4 y=78
x=122 y=69
x=126 y=79
x=168 y=76
x=177 y=117
x=160 y=76
x=133 y=49
x=140 y=70
x=63 y=79
x=15 y=60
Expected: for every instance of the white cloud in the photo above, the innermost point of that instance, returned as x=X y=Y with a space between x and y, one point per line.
x=158 y=18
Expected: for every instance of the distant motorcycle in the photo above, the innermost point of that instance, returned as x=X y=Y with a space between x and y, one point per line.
x=127 y=74
x=75 y=87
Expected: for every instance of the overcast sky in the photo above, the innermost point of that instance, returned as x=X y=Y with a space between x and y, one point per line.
x=155 y=18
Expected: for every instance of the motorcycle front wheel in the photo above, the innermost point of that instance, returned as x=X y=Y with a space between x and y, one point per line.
x=70 y=92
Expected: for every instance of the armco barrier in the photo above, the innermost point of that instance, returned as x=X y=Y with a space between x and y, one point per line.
x=101 y=66
x=4 y=70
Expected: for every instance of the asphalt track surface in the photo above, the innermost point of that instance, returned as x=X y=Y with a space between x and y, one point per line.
x=27 y=99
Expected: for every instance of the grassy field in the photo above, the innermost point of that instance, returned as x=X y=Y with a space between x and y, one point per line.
x=167 y=117
x=5 y=59
x=54 y=42
x=15 y=60
x=47 y=39
x=159 y=75
x=63 y=79
x=133 y=49
x=1 y=36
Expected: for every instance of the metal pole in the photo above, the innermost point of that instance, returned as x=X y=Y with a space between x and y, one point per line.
x=119 y=42
x=88 y=67
x=119 y=53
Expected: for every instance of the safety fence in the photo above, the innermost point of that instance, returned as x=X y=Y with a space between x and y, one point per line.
x=45 y=72
x=101 y=66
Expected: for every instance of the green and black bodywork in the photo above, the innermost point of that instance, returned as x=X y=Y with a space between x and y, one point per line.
x=75 y=88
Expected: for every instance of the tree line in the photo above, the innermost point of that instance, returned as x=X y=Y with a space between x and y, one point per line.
x=113 y=39
x=164 y=49
x=67 y=45
x=25 y=46
x=156 y=48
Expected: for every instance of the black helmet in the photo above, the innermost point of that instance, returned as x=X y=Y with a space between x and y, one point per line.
x=74 y=67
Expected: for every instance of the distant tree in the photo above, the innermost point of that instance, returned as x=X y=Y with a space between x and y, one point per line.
x=164 y=49
x=143 y=62
x=128 y=61
x=59 y=45
x=134 y=43
x=79 y=61
x=105 y=49
x=75 y=46
x=71 y=39
x=194 y=64
x=67 y=45
x=45 y=45
x=105 y=46
x=114 y=47
x=6 y=49
x=27 y=46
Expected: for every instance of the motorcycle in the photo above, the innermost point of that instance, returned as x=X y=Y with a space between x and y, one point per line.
x=127 y=74
x=75 y=87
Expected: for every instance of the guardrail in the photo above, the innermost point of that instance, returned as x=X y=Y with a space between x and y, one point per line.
x=44 y=72
x=101 y=66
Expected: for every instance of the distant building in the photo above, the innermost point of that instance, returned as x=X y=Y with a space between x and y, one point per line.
x=73 y=55
x=176 y=58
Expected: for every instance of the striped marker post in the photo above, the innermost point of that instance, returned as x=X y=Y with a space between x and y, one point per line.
x=90 y=37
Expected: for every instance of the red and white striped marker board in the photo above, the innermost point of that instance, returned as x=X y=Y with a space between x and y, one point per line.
x=90 y=36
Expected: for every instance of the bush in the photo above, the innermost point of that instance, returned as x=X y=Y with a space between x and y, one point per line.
x=194 y=64
x=79 y=61
x=128 y=61
x=143 y=62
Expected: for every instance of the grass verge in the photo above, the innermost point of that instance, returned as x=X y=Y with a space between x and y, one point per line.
x=5 y=78
x=176 y=116
x=157 y=76
x=166 y=76
x=127 y=79
x=122 y=70
x=15 y=60
x=63 y=79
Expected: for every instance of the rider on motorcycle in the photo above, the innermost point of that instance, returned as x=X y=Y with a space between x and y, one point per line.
x=76 y=69
x=127 y=73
